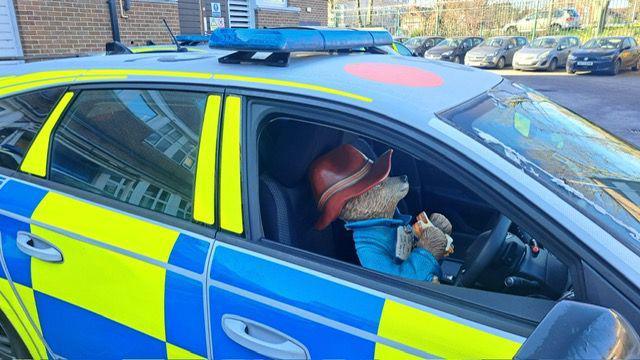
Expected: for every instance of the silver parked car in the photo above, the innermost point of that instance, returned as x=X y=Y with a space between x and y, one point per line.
x=560 y=19
x=496 y=52
x=545 y=53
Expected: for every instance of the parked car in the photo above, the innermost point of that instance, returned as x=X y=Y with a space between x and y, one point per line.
x=545 y=53
x=453 y=49
x=162 y=209
x=605 y=54
x=496 y=52
x=420 y=44
x=561 y=19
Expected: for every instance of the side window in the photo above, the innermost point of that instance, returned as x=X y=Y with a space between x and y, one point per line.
x=468 y=43
x=633 y=42
x=477 y=41
x=522 y=41
x=574 y=42
x=627 y=42
x=21 y=117
x=134 y=146
x=564 y=43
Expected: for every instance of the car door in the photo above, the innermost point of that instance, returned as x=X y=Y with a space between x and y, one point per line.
x=564 y=48
x=102 y=238
x=466 y=45
x=629 y=54
x=511 y=49
x=270 y=299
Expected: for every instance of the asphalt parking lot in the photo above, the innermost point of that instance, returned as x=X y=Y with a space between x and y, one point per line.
x=612 y=102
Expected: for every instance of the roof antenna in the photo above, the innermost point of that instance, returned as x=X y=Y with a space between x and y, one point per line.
x=173 y=38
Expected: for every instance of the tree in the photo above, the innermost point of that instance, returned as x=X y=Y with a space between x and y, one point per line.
x=602 y=18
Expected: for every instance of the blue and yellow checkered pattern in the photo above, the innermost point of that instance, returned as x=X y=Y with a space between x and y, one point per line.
x=113 y=296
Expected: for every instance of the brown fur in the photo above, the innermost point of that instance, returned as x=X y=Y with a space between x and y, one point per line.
x=378 y=202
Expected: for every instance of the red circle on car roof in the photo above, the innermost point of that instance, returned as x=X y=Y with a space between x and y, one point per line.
x=395 y=74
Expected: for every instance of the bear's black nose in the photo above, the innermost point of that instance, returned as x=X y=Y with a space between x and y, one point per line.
x=404 y=178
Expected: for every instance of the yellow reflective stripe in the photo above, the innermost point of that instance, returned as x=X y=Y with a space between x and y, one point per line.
x=292 y=84
x=16 y=315
x=123 y=289
x=35 y=162
x=98 y=223
x=19 y=83
x=230 y=181
x=177 y=353
x=439 y=336
x=204 y=197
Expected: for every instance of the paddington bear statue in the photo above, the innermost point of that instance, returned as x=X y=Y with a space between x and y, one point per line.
x=348 y=185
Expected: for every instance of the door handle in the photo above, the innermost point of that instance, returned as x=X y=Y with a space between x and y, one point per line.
x=37 y=247
x=262 y=339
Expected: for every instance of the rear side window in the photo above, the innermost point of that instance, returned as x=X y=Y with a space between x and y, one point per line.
x=134 y=146
x=522 y=41
x=21 y=117
x=574 y=41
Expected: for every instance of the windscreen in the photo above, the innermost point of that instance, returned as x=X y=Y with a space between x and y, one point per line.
x=603 y=43
x=593 y=170
x=544 y=43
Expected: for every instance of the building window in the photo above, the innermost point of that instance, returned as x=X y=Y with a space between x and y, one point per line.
x=271 y=3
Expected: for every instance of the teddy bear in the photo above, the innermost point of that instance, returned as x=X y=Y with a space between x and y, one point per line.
x=349 y=186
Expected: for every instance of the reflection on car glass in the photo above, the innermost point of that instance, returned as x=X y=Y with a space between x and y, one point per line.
x=21 y=117
x=559 y=148
x=603 y=43
x=135 y=146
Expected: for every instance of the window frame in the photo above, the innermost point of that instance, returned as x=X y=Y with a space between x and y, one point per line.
x=420 y=293
x=63 y=90
x=116 y=205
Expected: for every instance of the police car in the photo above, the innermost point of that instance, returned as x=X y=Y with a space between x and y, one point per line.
x=158 y=206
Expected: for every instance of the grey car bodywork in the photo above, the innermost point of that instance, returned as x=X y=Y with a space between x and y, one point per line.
x=547 y=57
x=487 y=55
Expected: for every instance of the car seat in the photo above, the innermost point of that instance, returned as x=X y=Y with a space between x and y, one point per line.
x=287 y=148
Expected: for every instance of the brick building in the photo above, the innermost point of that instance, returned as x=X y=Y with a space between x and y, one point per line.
x=48 y=28
x=198 y=14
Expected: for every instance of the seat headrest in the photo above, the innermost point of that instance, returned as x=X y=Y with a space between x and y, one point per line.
x=287 y=148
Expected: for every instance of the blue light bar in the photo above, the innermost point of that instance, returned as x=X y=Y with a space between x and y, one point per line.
x=301 y=39
x=195 y=38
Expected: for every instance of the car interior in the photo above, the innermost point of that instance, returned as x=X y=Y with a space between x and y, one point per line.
x=491 y=252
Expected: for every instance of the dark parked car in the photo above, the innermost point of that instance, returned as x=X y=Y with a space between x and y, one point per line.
x=605 y=54
x=496 y=52
x=453 y=49
x=420 y=44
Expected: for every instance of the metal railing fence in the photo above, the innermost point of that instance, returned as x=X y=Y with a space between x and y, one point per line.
x=531 y=18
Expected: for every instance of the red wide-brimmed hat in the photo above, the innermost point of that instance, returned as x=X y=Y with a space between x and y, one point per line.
x=342 y=174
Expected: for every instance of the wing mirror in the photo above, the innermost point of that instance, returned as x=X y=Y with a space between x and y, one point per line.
x=627 y=47
x=573 y=330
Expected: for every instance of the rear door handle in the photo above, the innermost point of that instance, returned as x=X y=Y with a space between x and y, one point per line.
x=37 y=247
x=262 y=339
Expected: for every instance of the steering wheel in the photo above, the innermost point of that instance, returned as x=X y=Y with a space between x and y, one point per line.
x=482 y=251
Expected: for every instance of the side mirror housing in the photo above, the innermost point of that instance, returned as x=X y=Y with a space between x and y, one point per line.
x=581 y=331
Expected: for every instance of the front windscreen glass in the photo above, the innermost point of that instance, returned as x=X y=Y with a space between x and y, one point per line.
x=603 y=43
x=450 y=42
x=590 y=168
x=495 y=42
x=544 y=43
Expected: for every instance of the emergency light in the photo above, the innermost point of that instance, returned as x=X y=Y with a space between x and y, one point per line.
x=283 y=41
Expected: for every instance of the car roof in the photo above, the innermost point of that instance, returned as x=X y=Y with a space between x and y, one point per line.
x=341 y=78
